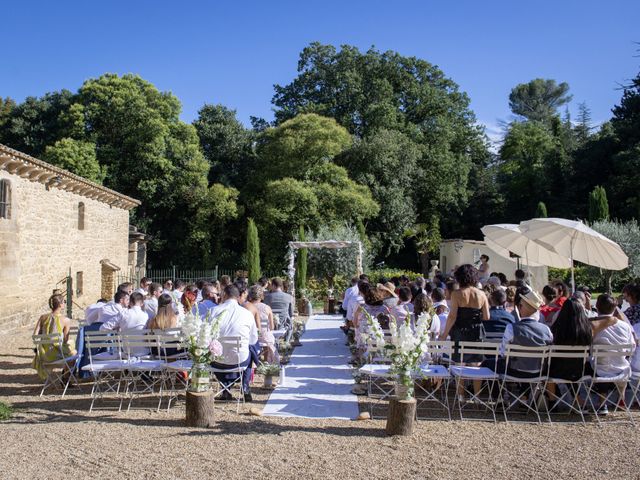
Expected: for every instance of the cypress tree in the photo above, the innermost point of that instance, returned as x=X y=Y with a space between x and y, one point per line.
x=598 y=205
x=541 y=210
x=253 y=252
x=301 y=268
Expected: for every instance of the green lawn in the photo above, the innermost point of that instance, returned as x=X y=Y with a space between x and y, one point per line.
x=5 y=411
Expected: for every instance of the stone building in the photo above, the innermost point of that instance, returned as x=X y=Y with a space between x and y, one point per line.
x=52 y=224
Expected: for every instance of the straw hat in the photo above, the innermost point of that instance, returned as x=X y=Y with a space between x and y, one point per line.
x=388 y=287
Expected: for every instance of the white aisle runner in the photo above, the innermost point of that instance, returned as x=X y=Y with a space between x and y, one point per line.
x=318 y=380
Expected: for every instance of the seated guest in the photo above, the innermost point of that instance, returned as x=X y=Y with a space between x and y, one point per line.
x=527 y=332
x=237 y=321
x=126 y=287
x=549 y=310
x=224 y=281
x=265 y=335
x=92 y=312
x=167 y=286
x=144 y=286
x=281 y=303
x=450 y=287
x=349 y=294
x=511 y=300
x=631 y=293
x=584 y=301
x=563 y=292
x=50 y=323
x=243 y=291
x=356 y=305
x=404 y=306
x=264 y=283
x=520 y=276
x=504 y=283
x=151 y=303
x=440 y=306
x=499 y=318
x=572 y=327
x=178 y=289
x=166 y=316
x=422 y=304
x=114 y=310
x=614 y=331
x=131 y=318
x=208 y=300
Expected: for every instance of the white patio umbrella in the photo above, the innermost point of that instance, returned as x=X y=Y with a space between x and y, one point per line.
x=510 y=237
x=577 y=241
x=503 y=252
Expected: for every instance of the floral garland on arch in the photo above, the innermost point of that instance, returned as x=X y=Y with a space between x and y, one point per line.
x=201 y=341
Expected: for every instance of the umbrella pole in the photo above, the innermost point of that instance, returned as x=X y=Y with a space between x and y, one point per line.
x=573 y=278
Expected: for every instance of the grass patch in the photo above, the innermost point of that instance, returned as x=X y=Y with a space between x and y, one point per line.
x=5 y=411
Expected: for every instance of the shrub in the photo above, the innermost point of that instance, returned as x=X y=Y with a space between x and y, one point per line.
x=6 y=411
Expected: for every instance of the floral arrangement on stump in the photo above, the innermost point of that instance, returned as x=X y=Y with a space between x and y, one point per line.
x=201 y=341
x=406 y=348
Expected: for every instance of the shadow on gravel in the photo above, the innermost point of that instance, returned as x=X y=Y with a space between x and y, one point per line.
x=261 y=427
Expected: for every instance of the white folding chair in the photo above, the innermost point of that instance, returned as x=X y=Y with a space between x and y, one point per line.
x=105 y=364
x=568 y=399
x=487 y=377
x=634 y=383
x=143 y=371
x=600 y=356
x=233 y=345
x=175 y=378
x=512 y=395
x=380 y=383
x=436 y=391
x=58 y=368
x=493 y=337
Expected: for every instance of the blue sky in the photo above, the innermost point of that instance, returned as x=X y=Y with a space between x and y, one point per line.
x=233 y=52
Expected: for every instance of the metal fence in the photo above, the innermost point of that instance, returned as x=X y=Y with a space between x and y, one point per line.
x=188 y=275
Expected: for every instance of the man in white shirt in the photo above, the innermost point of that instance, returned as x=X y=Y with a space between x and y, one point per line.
x=92 y=312
x=236 y=321
x=132 y=317
x=349 y=294
x=112 y=311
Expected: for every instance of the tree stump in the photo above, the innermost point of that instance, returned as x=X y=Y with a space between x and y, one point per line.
x=199 y=409
x=401 y=417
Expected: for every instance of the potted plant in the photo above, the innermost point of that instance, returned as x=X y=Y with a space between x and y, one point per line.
x=269 y=370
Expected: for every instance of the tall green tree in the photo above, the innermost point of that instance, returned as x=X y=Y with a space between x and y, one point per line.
x=300 y=144
x=301 y=268
x=376 y=94
x=253 y=252
x=541 y=210
x=524 y=158
x=38 y=122
x=387 y=162
x=226 y=144
x=538 y=99
x=583 y=128
x=77 y=156
x=598 y=205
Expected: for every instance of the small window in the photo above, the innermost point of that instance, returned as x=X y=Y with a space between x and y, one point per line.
x=81 y=216
x=79 y=283
x=5 y=199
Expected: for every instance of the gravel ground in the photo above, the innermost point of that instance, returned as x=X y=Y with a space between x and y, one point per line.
x=50 y=438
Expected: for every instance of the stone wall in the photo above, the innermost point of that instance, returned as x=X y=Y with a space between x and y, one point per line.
x=41 y=243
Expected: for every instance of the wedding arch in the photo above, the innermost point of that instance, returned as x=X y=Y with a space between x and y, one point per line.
x=295 y=246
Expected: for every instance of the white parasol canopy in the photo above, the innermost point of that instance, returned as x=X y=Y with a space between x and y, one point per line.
x=510 y=237
x=577 y=241
x=503 y=252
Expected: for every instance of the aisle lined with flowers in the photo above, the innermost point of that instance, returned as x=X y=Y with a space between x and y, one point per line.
x=317 y=381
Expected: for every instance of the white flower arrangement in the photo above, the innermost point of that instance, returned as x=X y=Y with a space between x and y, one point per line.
x=406 y=347
x=201 y=336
